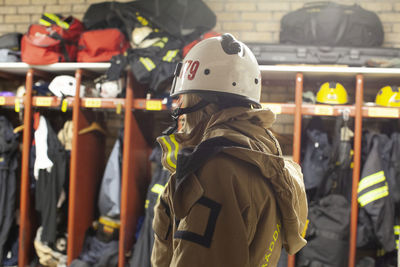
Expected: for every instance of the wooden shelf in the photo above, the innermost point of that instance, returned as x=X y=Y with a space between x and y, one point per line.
x=21 y=68
x=10 y=100
x=334 y=110
x=380 y=112
x=103 y=103
x=289 y=72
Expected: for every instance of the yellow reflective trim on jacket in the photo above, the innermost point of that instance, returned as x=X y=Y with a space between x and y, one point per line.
x=157 y=188
x=371 y=180
x=172 y=137
x=380 y=252
x=396 y=229
x=170 y=55
x=172 y=150
x=161 y=43
x=44 y=22
x=50 y=18
x=111 y=223
x=303 y=233
x=373 y=195
x=147 y=63
x=141 y=19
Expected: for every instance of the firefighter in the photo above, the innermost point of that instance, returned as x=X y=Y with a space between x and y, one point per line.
x=232 y=199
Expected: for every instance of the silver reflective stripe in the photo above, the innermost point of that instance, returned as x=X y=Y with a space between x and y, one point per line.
x=147 y=63
x=371 y=180
x=170 y=55
x=157 y=188
x=373 y=195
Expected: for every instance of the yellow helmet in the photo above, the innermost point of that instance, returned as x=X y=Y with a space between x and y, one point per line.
x=332 y=93
x=388 y=96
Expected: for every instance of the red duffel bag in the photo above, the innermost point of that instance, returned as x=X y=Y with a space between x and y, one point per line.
x=43 y=45
x=101 y=45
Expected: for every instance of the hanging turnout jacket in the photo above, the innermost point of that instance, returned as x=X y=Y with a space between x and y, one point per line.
x=391 y=165
x=373 y=195
x=8 y=180
x=233 y=199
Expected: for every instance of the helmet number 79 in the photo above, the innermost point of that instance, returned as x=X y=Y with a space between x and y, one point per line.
x=190 y=67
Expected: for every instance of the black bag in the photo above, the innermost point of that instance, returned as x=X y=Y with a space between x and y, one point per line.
x=11 y=41
x=270 y=54
x=327 y=233
x=186 y=19
x=331 y=24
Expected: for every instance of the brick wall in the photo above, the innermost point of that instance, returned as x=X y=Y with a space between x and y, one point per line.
x=248 y=20
x=258 y=20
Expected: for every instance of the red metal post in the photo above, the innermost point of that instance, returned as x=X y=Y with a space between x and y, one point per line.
x=356 y=169
x=297 y=133
x=25 y=230
x=71 y=250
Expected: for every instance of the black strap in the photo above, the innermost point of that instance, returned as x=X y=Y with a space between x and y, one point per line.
x=180 y=111
x=190 y=160
x=56 y=36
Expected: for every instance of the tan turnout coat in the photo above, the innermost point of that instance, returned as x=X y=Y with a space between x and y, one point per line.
x=239 y=207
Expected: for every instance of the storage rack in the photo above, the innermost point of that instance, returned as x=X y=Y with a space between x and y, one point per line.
x=135 y=168
x=358 y=111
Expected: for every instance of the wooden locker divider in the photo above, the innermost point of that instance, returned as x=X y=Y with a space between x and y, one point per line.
x=87 y=164
x=134 y=167
x=356 y=168
x=25 y=227
x=297 y=133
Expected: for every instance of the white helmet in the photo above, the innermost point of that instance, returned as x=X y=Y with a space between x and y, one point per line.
x=65 y=85
x=110 y=88
x=219 y=65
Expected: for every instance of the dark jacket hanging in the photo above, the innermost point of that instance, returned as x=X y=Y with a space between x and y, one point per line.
x=373 y=194
x=49 y=186
x=144 y=245
x=8 y=183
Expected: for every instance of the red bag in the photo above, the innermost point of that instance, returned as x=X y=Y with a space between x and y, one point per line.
x=43 y=45
x=101 y=45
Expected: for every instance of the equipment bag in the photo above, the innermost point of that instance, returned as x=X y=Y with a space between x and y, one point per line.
x=11 y=41
x=50 y=44
x=327 y=233
x=272 y=54
x=101 y=45
x=332 y=24
x=183 y=19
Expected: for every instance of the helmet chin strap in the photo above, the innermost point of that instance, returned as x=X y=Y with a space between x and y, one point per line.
x=180 y=111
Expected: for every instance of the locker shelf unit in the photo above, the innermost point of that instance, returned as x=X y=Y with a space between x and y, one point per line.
x=359 y=76
x=87 y=150
x=87 y=156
